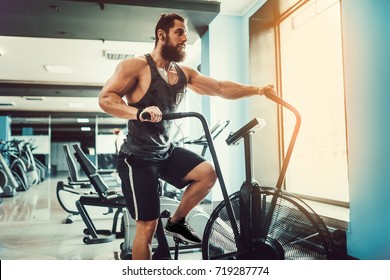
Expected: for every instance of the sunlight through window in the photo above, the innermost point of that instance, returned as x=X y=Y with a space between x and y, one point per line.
x=312 y=80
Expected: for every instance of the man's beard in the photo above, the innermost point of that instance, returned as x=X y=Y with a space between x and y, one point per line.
x=172 y=53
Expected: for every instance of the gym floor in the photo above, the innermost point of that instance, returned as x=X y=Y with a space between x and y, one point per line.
x=33 y=228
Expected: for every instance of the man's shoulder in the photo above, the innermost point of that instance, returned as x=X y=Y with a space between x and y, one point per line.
x=137 y=60
x=188 y=70
x=133 y=64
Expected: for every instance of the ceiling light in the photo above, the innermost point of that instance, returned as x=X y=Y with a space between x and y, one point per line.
x=34 y=98
x=76 y=105
x=117 y=55
x=85 y=128
x=83 y=120
x=58 y=69
x=8 y=104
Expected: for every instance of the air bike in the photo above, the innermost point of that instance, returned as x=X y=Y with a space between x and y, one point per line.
x=259 y=222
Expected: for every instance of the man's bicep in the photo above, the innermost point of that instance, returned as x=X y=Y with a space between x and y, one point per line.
x=204 y=85
x=121 y=81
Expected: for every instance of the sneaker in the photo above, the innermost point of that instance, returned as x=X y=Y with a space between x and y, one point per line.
x=182 y=230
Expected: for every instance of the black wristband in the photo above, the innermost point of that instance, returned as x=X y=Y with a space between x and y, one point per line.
x=139 y=113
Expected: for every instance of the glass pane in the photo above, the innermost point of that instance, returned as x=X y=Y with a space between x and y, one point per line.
x=312 y=80
x=70 y=131
x=110 y=136
x=32 y=131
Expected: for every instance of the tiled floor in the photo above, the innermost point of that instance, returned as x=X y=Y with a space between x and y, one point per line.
x=32 y=227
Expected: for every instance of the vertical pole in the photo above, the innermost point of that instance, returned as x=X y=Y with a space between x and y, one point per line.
x=5 y=128
x=248 y=158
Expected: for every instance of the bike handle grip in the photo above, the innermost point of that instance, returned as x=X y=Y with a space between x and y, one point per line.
x=166 y=116
x=274 y=98
x=145 y=116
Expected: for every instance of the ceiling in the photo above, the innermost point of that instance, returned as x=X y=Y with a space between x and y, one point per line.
x=80 y=36
x=113 y=20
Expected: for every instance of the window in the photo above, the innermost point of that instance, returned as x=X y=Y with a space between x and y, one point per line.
x=312 y=80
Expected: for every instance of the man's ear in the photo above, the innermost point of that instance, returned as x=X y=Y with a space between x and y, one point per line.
x=161 y=34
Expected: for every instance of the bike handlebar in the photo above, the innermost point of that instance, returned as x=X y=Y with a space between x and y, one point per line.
x=290 y=148
x=170 y=116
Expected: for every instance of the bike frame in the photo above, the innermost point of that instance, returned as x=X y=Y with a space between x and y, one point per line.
x=217 y=166
x=286 y=161
x=238 y=239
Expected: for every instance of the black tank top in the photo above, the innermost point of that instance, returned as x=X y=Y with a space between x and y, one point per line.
x=152 y=139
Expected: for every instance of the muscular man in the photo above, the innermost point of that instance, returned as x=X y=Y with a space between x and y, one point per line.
x=155 y=83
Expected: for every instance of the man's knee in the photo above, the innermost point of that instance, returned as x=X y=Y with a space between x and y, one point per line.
x=208 y=174
x=146 y=228
x=204 y=173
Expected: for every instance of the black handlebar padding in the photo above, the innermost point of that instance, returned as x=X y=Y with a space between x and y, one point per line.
x=167 y=116
x=146 y=116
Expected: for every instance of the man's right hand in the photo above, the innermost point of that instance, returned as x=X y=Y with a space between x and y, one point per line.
x=154 y=112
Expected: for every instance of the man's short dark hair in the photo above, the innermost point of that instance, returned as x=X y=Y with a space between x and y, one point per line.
x=165 y=23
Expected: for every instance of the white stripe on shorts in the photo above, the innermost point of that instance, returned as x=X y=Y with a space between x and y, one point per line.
x=133 y=190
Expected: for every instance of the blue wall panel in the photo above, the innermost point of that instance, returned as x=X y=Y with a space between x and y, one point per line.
x=366 y=36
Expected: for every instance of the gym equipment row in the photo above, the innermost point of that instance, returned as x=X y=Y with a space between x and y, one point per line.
x=19 y=168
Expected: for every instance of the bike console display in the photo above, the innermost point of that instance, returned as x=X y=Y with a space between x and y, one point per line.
x=256 y=123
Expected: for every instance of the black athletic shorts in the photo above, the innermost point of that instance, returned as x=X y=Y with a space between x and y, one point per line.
x=140 y=179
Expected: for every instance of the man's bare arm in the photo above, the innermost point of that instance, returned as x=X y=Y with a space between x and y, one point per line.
x=231 y=90
x=120 y=84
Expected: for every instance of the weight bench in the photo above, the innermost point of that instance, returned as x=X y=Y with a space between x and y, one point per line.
x=104 y=197
x=74 y=179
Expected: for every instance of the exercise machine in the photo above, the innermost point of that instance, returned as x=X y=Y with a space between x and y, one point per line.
x=10 y=182
x=260 y=222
